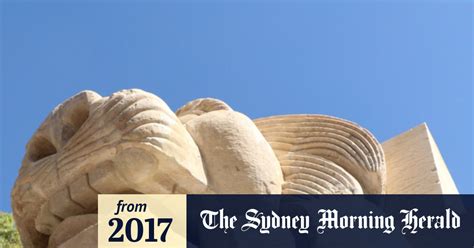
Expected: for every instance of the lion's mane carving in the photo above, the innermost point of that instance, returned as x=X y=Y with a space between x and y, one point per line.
x=131 y=142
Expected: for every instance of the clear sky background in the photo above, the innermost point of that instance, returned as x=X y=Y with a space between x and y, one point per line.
x=387 y=65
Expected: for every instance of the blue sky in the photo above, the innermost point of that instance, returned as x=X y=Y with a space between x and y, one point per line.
x=387 y=65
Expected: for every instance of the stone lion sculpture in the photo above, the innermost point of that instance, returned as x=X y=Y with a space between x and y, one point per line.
x=131 y=142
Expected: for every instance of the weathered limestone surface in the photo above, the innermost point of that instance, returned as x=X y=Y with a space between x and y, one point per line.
x=415 y=165
x=131 y=142
x=199 y=107
x=71 y=227
x=128 y=142
x=341 y=156
x=86 y=238
x=236 y=156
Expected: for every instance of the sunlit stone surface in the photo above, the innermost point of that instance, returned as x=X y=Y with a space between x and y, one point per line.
x=131 y=142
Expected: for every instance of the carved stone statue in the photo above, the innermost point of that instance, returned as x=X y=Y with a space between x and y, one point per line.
x=131 y=142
